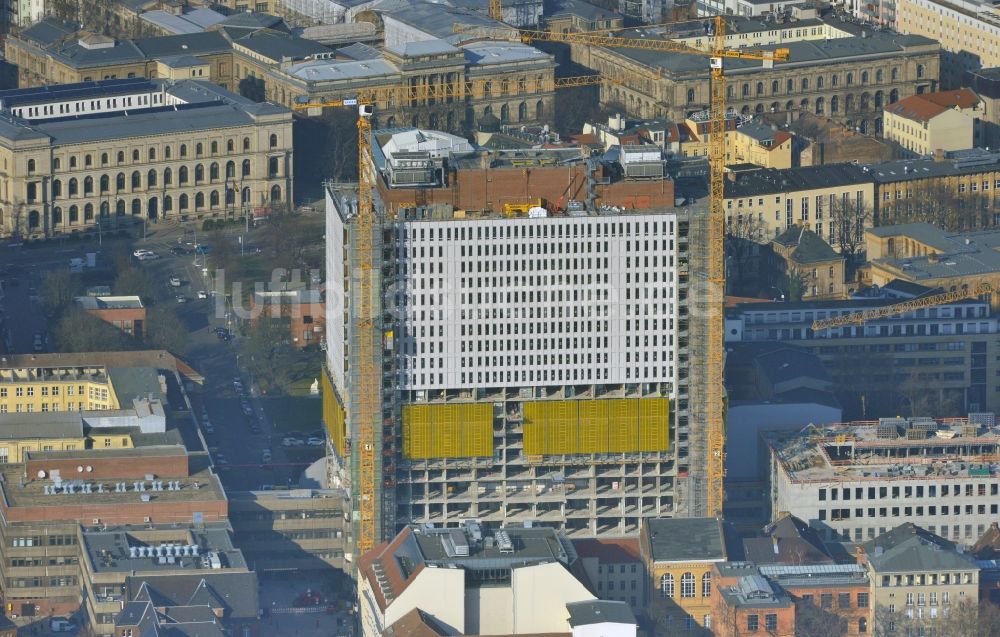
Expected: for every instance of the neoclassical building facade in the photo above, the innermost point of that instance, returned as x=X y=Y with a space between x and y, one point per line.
x=848 y=79
x=75 y=157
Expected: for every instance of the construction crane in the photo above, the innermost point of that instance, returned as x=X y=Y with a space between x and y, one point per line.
x=859 y=318
x=369 y=409
x=717 y=53
x=389 y=97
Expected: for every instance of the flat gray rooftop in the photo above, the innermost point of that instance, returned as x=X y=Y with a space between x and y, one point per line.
x=164 y=549
x=686 y=539
x=528 y=545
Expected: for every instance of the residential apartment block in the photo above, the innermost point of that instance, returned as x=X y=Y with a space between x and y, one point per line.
x=968 y=31
x=835 y=201
x=91 y=381
x=917 y=579
x=746 y=603
x=856 y=481
x=932 y=122
x=959 y=191
x=986 y=83
x=106 y=153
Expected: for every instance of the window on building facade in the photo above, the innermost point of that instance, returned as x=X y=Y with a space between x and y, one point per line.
x=687 y=585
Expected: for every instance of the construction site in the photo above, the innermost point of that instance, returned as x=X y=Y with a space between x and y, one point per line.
x=537 y=367
x=513 y=356
x=853 y=481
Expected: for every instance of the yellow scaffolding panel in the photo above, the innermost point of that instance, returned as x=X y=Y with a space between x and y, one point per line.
x=624 y=425
x=447 y=431
x=564 y=429
x=333 y=416
x=594 y=426
x=534 y=428
x=654 y=424
x=478 y=429
x=416 y=431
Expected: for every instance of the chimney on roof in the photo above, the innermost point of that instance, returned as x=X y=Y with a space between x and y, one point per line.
x=774 y=545
x=932 y=257
x=939 y=154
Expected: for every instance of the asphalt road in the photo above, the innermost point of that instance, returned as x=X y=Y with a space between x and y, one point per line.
x=215 y=359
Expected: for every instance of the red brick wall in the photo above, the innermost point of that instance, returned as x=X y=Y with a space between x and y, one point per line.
x=851 y=614
x=158 y=511
x=296 y=320
x=120 y=468
x=480 y=189
x=126 y=315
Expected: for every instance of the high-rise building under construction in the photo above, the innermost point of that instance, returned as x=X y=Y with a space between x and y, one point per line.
x=533 y=363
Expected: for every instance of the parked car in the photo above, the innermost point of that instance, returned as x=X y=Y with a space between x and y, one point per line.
x=174 y=280
x=140 y=252
x=265 y=455
x=254 y=429
x=181 y=298
x=209 y=429
x=148 y=256
x=247 y=409
x=292 y=442
x=315 y=442
x=202 y=294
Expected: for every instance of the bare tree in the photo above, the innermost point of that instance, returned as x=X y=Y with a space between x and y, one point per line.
x=743 y=236
x=813 y=621
x=796 y=284
x=849 y=217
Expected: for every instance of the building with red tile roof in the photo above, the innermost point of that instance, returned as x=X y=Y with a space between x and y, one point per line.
x=928 y=122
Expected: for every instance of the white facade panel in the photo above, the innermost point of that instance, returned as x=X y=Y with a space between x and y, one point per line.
x=335 y=295
x=533 y=302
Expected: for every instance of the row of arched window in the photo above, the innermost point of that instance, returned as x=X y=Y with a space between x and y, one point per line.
x=152 y=206
x=152 y=179
x=688 y=585
x=805 y=83
x=151 y=155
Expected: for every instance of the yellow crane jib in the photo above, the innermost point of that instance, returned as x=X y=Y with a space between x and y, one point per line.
x=859 y=318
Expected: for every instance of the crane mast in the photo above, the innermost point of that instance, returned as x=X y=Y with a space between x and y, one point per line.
x=714 y=389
